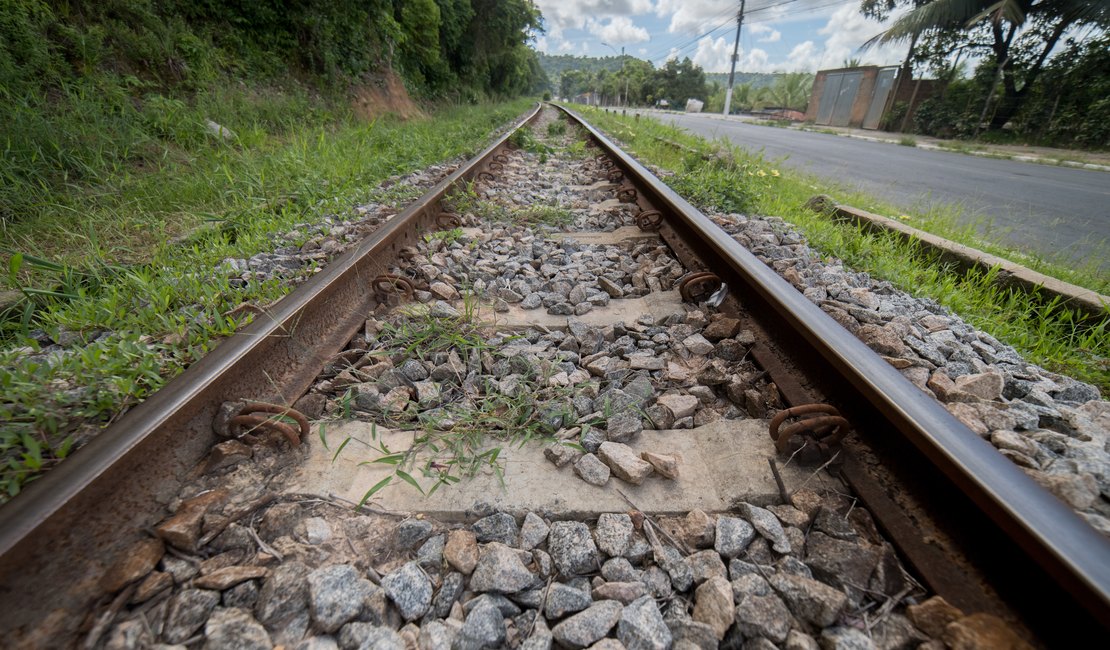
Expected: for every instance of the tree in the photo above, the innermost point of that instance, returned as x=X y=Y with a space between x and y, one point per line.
x=792 y=90
x=678 y=81
x=1017 y=35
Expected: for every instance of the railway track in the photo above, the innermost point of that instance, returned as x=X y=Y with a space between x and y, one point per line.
x=532 y=362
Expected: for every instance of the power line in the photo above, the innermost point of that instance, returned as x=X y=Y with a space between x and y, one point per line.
x=694 y=40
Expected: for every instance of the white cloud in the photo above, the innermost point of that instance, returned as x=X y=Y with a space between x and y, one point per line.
x=565 y=46
x=770 y=34
x=574 y=14
x=619 y=31
x=695 y=16
x=541 y=45
x=713 y=54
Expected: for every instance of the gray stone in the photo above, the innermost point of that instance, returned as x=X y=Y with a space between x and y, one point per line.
x=572 y=548
x=449 y=592
x=608 y=286
x=641 y=626
x=623 y=427
x=986 y=385
x=591 y=470
x=430 y=553
x=809 y=600
x=507 y=607
x=336 y=595
x=563 y=599
x=622 y=592
x=410 y=590
x=484 y=628
x=560 y=455
x=435 y=635
x=613 y=533
x=713 y=605
x=187 y=612
x=531 y=301
x=798 y=640
x=619 y=569
x=235 y=629
x=660 y=416
x=768 y=526
x=591 y=440
x=750 y=584
x=317 y=643
x=697 y=345
x=317 y=530
x=840 y=563
x=845 y=638
x=624 y=462
x=658 y=582
x=671 y=561
x=533 y=532
x=500 y=569
x=441 y=309
x=764 y=616
x=896 y=631
x=283 y=594
x=682 y=406
x=586 y=627
x=733 y=536
x=498 y=527
x=243 y=595
x=689 y=634
x=706 y=564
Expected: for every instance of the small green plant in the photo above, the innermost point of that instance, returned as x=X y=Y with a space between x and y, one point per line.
x=557 y=128
x=459 y=437
x=907 y=141
x=545 y=215
x=524 y=138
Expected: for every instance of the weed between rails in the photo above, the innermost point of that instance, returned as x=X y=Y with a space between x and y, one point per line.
x=1047 y=334
x=483 y=399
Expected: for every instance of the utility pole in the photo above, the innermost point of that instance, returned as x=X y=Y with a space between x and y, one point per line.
x=625 y=78
x=735 y=58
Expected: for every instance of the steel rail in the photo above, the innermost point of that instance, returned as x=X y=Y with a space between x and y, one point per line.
x=1062 y=543
x=99 y=500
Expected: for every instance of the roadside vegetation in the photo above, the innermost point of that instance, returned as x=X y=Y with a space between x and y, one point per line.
x=707 y=174
x=145 y=142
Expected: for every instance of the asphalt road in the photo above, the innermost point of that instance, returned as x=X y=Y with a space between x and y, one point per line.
x=1042 y=209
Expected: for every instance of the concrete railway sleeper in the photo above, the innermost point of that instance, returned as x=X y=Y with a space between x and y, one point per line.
x=532 y=410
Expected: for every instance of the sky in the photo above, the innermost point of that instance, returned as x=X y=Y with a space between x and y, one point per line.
x=777 y=35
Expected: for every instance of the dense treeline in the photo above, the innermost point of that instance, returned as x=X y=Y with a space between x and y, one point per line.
x=633 y=82
x=91 y=88
x=1041 y=71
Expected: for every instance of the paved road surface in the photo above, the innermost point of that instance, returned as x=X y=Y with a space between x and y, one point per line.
x=1039 y=208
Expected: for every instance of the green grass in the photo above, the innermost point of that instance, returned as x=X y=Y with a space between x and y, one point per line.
x=95 y=266
x=465 y=434
x=1046 y=334
x=907 y=141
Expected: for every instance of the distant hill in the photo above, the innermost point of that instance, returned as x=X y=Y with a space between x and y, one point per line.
x=555 y=65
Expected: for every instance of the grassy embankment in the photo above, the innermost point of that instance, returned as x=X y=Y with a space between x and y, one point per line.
x=130 y=287
x=1045 y=334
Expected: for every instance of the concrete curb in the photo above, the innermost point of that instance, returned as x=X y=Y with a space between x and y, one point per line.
x=1039 y=160
x=1089 y=303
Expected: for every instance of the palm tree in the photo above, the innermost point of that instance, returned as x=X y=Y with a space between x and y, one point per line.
x=791 y=90
x=1003 y=21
